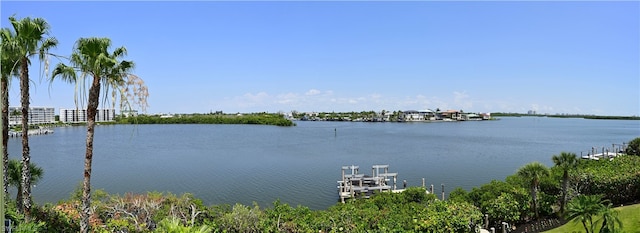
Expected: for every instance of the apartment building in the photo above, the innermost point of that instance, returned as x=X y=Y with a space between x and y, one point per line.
x=80 y=115
x=37 y=115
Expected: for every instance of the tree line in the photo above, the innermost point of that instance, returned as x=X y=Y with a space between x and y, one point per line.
x=254 y=118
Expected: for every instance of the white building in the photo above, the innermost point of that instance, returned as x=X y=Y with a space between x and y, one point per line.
x=80 y=115
x=37 y=115
x=418 y=115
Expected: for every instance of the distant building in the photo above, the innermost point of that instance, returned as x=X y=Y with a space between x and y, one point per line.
x=129 y=113
x=37 y=115
x=452 y=115
x=531 y=112
x=418 y=115
x=80 y=115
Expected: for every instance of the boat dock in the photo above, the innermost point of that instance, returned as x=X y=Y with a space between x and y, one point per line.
x=605 y=153
x=355 y=184
x=38 y=131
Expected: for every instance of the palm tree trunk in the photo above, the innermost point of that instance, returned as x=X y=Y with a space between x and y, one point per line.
x=4 y=86
x=534 y=198
x=565 y=182
x=94 y=97
x=26 y=173
x=584 y=223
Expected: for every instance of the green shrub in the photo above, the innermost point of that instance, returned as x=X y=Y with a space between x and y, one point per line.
x=634 y=147
x=618 y=179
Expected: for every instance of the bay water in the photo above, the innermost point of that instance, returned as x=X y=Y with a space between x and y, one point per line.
x=228 y=164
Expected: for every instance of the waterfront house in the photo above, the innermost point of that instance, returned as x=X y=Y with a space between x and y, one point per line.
x=452 y=115
x=418 y=115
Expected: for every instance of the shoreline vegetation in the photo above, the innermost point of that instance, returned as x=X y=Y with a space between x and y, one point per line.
x=594 y=117
x=284 y=119
x=507 y=203
x=218 y=118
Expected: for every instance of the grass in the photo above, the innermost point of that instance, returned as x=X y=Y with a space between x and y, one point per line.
x=629 y=215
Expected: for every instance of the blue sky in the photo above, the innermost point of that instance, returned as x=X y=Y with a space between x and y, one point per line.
x=552 y=57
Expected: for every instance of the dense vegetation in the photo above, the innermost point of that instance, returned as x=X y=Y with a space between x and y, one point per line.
x=618 y=180
x=410 y=211
x=255 y=118
x=593 y=188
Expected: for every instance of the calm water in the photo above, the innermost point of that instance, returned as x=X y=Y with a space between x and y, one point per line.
x=300 y=165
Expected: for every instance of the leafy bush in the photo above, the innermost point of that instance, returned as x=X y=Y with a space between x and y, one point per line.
x=618 y=180
x=634 y=147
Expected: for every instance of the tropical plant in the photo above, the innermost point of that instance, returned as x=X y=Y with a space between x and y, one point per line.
x=174 y=225
x=9 y=60
x=15 y=174
x=583 y=208
x=505 y=208
x=610 y=221
x=533 y=172
x=618 y=180
x=91 y=58
x=565 y=161
x=634 y=147
x=31 y=38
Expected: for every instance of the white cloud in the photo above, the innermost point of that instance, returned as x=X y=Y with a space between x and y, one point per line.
x=313 y=92
x=462 y=100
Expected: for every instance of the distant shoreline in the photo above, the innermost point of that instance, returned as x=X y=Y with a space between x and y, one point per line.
x=593 y=117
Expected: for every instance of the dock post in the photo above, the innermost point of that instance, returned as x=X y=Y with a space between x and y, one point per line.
x=394 y=182
x=443 y=192
x=423 y=184
x=486 y=221
x=344 y=183
x=432 y=189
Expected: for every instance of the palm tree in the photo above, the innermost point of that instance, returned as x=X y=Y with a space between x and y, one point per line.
x=610 y=221
x=582 y=208
x=91 y=58
x=565 y=161
x=31 y=40
x=8 y=63
x=15 y=173
x=533 y=172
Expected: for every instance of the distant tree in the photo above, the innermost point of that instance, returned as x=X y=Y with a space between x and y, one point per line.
x=533 y=172
x=634 y=147
x=565 y=161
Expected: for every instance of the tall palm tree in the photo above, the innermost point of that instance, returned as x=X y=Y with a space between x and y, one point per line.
x=533 y=172
x=31 y=39
x=582 y=208
x=8 y=64
x=15 y=174
x=565 y=161
x=91 y=58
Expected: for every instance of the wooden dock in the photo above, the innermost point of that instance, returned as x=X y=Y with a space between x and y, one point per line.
x=355 y=184
x=605 y=153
